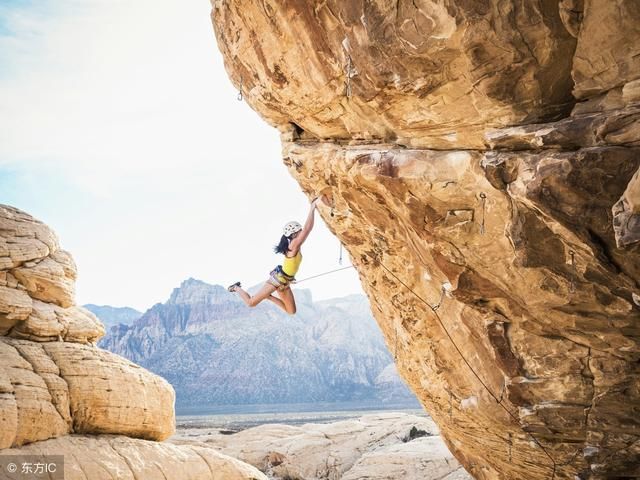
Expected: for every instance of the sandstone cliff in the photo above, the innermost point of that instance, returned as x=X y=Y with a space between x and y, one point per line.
x=55 y=382
x=481 y=159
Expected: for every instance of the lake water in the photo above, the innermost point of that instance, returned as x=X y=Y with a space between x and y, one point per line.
x=239 y=417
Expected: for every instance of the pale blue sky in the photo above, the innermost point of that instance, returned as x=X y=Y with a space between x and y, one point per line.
x=120 y=129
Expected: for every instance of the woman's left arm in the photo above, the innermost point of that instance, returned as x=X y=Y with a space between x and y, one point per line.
x=297 y=242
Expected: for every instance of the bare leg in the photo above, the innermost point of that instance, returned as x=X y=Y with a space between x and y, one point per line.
x=277 y=301
x=251 y=301
x=288 y=300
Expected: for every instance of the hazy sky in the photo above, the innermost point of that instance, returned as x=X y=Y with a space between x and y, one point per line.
x=120 y=129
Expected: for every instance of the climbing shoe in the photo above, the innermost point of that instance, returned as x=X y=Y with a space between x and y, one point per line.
x=232 y=288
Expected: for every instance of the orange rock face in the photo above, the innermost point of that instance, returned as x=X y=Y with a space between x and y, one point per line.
x=491 y=214
x=428 y=74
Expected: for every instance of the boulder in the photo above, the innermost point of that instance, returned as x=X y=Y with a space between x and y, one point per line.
x=49 y=322
x=37 y=284
x=23 y=238
x=15 y=306
x=105 y=457
x=55 y=388
x=423 y=458
x=50 y=280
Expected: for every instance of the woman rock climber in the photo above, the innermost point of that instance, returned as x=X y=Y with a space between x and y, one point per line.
x=280 y=278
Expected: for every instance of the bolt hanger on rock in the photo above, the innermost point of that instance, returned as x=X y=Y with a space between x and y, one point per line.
x=572 y=284
x=347 y=86
x=444 y=291
x=483 y=197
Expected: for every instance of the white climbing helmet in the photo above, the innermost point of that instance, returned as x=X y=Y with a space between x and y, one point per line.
x=290 y=228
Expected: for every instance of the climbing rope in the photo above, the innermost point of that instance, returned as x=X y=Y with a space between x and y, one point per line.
x=322 y=274
x=486 y=387
x=330 y=271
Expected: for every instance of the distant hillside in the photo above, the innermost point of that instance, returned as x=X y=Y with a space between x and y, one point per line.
x=215 y=350
x=111 y=316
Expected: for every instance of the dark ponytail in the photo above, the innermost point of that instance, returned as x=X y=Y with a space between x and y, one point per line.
x=283 y=246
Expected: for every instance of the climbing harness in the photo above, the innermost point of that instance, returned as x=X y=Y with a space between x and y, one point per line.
x=279 y=279
x=239 y=97
x=572 y=284
x=282 y=275
x=464 y=359
x=483 y=197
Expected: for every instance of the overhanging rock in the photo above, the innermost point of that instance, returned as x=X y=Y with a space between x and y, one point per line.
x=480 y=159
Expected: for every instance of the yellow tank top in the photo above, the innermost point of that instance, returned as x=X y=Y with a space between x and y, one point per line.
x=290 y=265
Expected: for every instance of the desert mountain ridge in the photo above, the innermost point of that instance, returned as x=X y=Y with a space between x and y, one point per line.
x=215 y=350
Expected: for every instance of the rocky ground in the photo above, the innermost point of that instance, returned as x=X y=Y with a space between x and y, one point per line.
x=381 y=446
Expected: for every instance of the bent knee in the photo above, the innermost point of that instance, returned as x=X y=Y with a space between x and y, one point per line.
x=252 y=303
x=291 y=311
